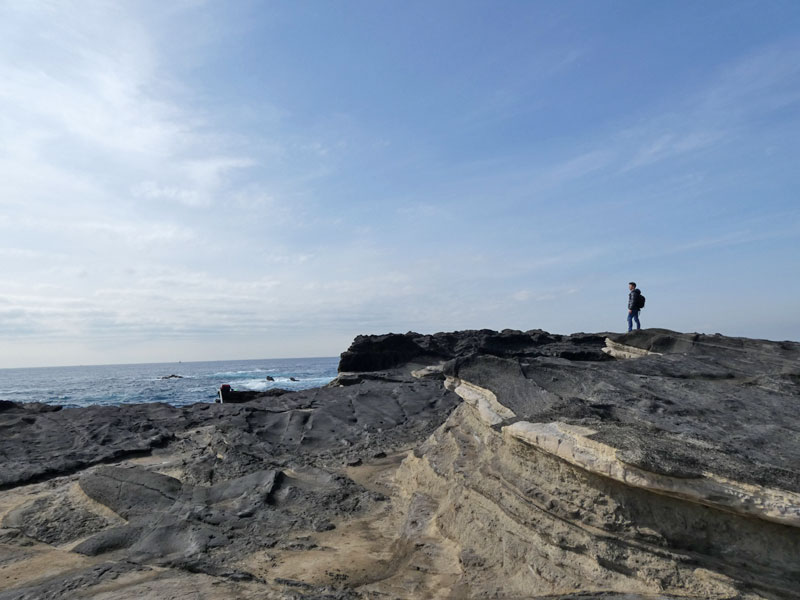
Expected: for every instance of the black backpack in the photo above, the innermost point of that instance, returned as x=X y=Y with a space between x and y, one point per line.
x=639 y=301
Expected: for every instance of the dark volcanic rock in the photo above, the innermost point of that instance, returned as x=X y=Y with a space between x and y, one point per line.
x=38 y=443
x=239 y=397
x=130 y=492
x=671 y=474
x=250 y=468
x=733 y=397
x=378 y=352
x=250 y=475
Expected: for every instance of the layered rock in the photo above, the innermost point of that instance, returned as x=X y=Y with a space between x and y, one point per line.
x=471 y=464
x=675 y=472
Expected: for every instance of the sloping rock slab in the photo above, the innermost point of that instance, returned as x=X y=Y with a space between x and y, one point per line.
x=131 y=492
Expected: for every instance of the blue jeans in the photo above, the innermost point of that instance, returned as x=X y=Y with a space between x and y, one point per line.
x=633 y=316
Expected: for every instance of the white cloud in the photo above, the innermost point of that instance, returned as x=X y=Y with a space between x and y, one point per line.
x=93 y=104
x=154 y=191
x=738 y=96
x=579 y=166
x=764 y=80
x=669 y=145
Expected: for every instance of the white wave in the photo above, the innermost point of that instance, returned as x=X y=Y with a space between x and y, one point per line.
x=241 y=373
x=261 y=385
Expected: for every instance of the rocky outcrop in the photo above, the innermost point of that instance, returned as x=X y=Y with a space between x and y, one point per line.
x=675 y=473
x=379 y=352
x=471 y=464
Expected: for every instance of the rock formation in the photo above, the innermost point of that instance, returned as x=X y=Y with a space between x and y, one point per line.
x=473 y=464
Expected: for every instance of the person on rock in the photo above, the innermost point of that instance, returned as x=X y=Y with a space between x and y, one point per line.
x=635 y=303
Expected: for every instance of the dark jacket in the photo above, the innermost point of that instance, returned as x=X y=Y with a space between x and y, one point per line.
x=633 y=299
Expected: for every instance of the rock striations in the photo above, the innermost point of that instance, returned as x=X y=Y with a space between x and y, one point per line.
x=473 y=464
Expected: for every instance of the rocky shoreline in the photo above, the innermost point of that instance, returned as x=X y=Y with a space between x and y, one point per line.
x=474 y=464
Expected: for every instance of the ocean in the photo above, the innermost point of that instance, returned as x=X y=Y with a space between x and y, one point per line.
x=130 y=384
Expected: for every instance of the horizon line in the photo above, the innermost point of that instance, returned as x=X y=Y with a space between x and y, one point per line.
x=187 y=362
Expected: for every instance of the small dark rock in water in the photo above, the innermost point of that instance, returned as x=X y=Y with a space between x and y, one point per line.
x=270 y=378
x=173 y=376
x=293 y=379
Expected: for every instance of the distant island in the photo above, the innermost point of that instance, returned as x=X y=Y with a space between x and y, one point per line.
x=468 y=464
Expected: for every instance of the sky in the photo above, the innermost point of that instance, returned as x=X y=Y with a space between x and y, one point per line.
x=194 y=180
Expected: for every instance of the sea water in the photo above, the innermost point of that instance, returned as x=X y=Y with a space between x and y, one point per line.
x=129 y=384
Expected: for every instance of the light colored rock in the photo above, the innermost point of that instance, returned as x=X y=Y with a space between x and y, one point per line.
x=434 y=371
x=489 y=408
x=526 y=524
x=573 y=444
x=618 y=350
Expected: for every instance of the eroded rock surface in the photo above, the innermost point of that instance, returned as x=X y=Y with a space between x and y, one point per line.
x=472 y=464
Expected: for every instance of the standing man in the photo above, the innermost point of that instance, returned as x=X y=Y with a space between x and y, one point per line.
x=634 y=305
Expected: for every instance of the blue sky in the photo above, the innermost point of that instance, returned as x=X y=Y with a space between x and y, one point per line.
x=209 y=180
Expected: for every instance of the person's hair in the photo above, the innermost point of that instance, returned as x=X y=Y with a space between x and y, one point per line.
x=633 y=283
